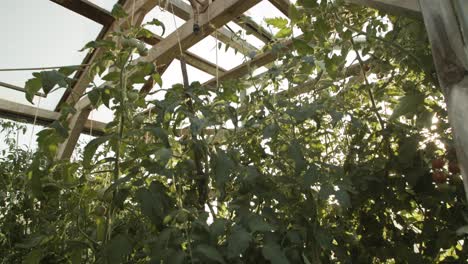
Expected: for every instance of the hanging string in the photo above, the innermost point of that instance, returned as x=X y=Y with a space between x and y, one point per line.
x=217 y=65
x=34 y=123
x=147 y=133
x=177 y=33
x=45 y=68
x=91 y=123
x=133 y=12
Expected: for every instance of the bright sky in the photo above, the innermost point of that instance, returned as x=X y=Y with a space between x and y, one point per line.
x=41 y=33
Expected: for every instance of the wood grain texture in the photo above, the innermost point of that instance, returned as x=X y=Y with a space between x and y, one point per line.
x=451 y=60
x=395 y=7
x=29 y=113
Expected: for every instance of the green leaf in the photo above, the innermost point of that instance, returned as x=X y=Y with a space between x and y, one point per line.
x=271 y=131
x=163 y=155
x=92 y=147
x=295 y=153
x=462 y=231
x=277 y=22
x=158 y=23
x=284 y=33
x=60 y=129
x=95 y=97
x=302 y=47
x=67 y=71
x=33 y=241
x=50 y=79
x=223 y=167
x=112 y=76
x=238 y=241
x=118 y=248
x=34 y=257
x=311 y=176
x=154 y=202
x=407 y=104
x=157 y=79
x=118 y=11
x=32 y=86
x=257 y=224
x=210 y=253
x=103 y=43
x=343 y=198
x=273 y=252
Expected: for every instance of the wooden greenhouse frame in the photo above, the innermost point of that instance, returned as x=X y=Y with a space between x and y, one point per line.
x=446 y=23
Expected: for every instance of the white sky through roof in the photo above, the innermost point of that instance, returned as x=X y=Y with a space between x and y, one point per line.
x=40 y=33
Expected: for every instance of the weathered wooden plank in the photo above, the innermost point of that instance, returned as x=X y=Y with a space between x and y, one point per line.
x=282 y=5
x=17 y=88
x=450 y=55
x=88 y=10
x=84 y=77
x=76 y=121
x=396 y=7
x=29 y=113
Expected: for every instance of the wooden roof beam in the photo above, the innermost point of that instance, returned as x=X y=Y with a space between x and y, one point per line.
x=191 y=58
x=88 y=10
x=282 y=5
x=184 y=11
x=243 y=69
x=395 y=7
x=29 y=113
x=217 y=14
x=84 y=77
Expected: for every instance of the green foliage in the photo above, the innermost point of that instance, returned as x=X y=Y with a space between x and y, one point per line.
x=313 y=162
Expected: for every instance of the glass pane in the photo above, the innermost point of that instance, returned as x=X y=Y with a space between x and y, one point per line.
x=106 y=4
x=263 y=10
x=208 y=49
x=40 y=33
x=166 y=18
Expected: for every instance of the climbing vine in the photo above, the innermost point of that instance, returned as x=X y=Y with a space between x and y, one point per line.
x=340 y=153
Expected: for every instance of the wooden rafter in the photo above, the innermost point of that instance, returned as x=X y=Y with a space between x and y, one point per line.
x=218 y=14
x=243 y=69
x=282 y=5
x=184 y=11
x=191 y=58
x=84 y=78
x=28 y=113
x=397 y=7
x=88 y=10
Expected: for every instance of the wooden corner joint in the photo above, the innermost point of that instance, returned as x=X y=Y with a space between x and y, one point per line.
x=199 y=7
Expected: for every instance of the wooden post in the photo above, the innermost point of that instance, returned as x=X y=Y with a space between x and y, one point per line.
x=446 y=26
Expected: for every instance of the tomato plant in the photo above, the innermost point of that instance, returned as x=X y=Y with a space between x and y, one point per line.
x=332 y=167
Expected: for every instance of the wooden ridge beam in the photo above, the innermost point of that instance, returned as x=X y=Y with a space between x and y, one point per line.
x=217 y=14
x=88 y=10
x=396 y=7
x=184 y=11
